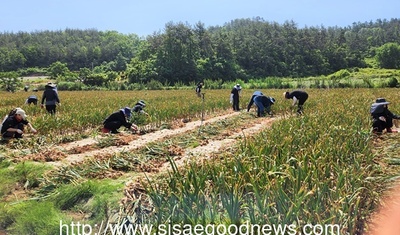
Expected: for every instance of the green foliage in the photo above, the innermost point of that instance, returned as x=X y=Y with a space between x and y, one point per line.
x=95 y=79
x=70 y=86
x=7 y=182
x=154 y=85
x=58 y=69
x=9 y=81
x=84 y=73
x=388 y=55
x=343 y=73
x=70 y=195
x=242 y=48
x=103 y=194
x=106 y=199
x=393 y=82
x=112 y=76
x=31 y=217
x=29 y=173
x=25 y=174
x=11 y=58
x=308 y=169
x=34 y=71
x=213 y=84
x=141 y=71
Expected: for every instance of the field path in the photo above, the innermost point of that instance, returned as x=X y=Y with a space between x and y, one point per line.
x=224 y=141
x=203 y=152
x=138 y=142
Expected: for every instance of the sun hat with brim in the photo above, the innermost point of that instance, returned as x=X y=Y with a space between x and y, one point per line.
x=381 y=101
x=50 y=84
x=142 y=103
x=21 y=112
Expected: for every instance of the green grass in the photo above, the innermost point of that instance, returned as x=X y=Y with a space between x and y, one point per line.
x=317 y=168
x=41 y=216
x=31 y=217
x=22 y=175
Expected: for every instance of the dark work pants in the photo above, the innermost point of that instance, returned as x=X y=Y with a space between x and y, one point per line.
x=379 y=125
x=261 y=109
x=113 y=126
x=235 y=104
x=51 y=109
x=9 y=134
x=300 y=105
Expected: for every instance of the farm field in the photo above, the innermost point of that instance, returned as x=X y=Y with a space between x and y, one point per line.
x=230 y=168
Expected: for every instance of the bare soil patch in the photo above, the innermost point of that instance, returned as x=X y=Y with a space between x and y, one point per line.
x=80 y=150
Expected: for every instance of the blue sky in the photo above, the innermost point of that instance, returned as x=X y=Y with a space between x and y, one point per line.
x=143 y=17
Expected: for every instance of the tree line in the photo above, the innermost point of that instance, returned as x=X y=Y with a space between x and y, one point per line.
x=182 y=53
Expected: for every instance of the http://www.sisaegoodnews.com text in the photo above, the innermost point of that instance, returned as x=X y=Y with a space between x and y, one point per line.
x=104 y=228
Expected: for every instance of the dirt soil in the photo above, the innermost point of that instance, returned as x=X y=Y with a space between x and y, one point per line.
x=77 y=152
x=83 y=149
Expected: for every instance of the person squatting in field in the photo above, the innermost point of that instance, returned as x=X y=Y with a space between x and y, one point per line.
x=234 y=98
x=299 y=98
x=117 y=119
x=382 y=118
x=139 y=106
x=13 y=124
x=50 y=95
x=32 y=99
x=262 y=102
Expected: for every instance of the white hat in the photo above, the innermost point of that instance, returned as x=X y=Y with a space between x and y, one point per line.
x=21 y=112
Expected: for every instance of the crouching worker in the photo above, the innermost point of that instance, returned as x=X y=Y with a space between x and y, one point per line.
x=382 y=118
x=139 y=107
x=299 y=98
x=262 y=102
x=32 y=99
x=118 y=119
x=13 y=124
